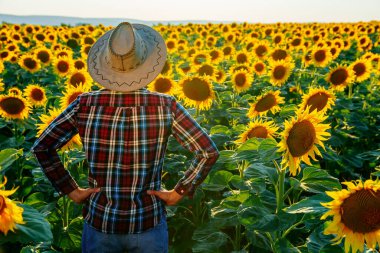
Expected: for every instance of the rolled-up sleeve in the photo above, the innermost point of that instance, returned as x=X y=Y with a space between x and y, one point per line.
x=191 y=136
x=56 y=135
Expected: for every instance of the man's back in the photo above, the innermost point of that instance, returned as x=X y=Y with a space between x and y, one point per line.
x=124 y=137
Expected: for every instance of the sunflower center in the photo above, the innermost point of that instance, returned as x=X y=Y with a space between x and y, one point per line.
x=30 y=63
x=359 y=69
x=2 y=204
x=339 y=76
x=296 y=42
x=89 y=41
x=43 y=56
x=206 y=70
x=240 y=79
x=227 y=50
x=63 y=66
x=170 y=44
x=266 y=103
x=77 y=79
x=279 y=54
x=279 y=72
x=261 y=50
x=12 y=105
x=37 y=94
x=318 y=101
x=259 y=67
x=258 y=132
x=277 y=39
x=196 y=89
x=214 y=55
x=301 y=138
x=79 y=65
x=242 y=58
x=361 y=211
x=162 y=85
x=74 y=96
x=320 y=55
x=40 y=37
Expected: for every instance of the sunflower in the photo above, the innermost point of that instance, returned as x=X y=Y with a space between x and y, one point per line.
x=356 y=215
x=259 y=68
x=299 y=137
x=318 y=99
x=10 y=212
x=62 y=66
x=267 y=102
x=29 y=62
x=321 y=56
x=44 y=55
x=184 y=68
x=72 y=92
x=162 y=84
x=80 y=64
x=261 y=49
x=77 y=77
x=207 y=69
x=278 y=38
x=362 y=69
x=84 y=51
x=15 y=91
x=280 y=54
x=64 y=52
x=340 y=77
x=200 y=58
x=242 y=57
x=280 y=72
x=228 y=51
x=241 y=80
x=216 y=55
x=35 y=94
x=220 y=76
x=171 y=45
x=258 y=129
x=46 y=119
x=14 y=107
x=196 y=91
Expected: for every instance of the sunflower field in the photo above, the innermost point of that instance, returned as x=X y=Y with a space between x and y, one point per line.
x=293 y=109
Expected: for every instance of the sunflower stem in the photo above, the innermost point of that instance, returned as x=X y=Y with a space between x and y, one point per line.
x=350 y=90
x=280 y=187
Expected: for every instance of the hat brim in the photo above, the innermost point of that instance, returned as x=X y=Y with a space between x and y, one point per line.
x=137 y=78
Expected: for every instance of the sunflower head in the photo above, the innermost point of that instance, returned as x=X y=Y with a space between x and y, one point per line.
x=241 y=80
x=62 y=66
x=321 y=56
x=72 y=92
x=340 y=76
x=356 y=215
x=269 y=101
x=362 y=69
x=196 y=91
x=79 y=77
x=299 y=139
x=318 y=99
x=259 y=67
x=280 y=72
x=10 y=212
x=29 y=62
x=14 y=107
x=36 y=95
x=258 y=129
x=162 y=84
x=43 y=55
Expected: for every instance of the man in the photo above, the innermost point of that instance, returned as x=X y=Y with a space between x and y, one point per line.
x=124 y=129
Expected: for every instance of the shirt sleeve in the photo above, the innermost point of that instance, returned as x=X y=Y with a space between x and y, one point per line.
x=192 y=137
x=56 y=135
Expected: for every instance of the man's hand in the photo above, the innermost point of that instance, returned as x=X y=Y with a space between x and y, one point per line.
x=171 y=197
x=79 y=195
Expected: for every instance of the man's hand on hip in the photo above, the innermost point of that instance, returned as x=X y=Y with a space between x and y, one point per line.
x=79 y=195
x=171 y=197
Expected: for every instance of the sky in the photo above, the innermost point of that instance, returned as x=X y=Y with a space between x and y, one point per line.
x=253 y=11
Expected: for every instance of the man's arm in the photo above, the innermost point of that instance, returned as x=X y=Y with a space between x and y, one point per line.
x=56 y=135
x=191 y=136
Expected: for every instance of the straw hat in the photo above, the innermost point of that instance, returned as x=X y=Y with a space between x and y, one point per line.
x=127 y=57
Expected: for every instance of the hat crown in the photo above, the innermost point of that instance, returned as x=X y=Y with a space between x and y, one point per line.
x=126 y=49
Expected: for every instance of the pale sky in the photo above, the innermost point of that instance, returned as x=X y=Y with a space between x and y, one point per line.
x=254 y=11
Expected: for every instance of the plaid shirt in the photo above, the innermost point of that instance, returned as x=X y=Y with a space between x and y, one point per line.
x=124 y=137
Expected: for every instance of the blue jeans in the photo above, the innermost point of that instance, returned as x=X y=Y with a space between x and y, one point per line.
x=150 y=241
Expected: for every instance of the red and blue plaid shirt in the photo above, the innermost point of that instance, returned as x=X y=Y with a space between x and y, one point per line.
x=124 y=136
